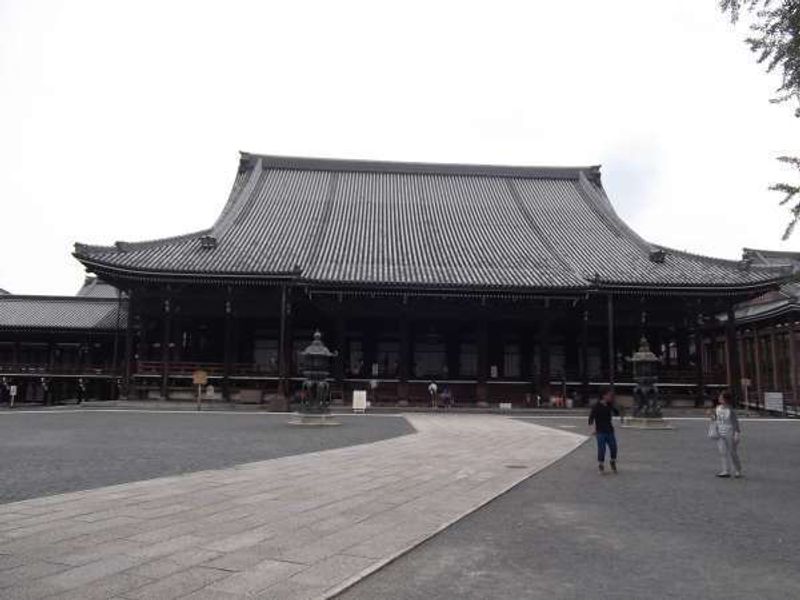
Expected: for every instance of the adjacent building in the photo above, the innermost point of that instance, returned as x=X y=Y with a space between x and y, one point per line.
x=58 y=347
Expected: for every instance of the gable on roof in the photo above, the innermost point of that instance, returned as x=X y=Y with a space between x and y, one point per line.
x=419 y=225
x=94 y=287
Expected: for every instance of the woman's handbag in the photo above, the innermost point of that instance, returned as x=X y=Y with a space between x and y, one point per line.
x=713 y=430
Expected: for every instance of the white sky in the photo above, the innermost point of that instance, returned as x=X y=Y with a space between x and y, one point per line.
x=124 y=120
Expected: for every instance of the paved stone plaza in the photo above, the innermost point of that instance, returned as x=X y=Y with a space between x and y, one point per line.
x=67 y=449
x=298 y=526
x=665 y=527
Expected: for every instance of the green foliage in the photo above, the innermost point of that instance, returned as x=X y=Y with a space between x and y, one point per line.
x=775 y=38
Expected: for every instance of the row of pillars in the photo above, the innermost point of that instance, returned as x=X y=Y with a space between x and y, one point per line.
x=286 y=337
x=166 y=337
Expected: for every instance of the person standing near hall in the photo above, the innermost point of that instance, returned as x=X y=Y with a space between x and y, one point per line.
x=433 y=390
x=729 y=434
x=600 y=416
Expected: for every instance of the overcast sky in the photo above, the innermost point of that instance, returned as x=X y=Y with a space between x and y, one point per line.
x=123 y=121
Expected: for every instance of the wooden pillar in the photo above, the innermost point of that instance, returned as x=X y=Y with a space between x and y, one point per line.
x=341 y=342
x=370 y=348
x=733 y=357
x=757 y=359
x=544 y=356
x=700 y=398
x=612 y=357
x=584 y=356
x=127 y=367
x=285 y=342
x=404 y=366
x=793 y=361
x=115 y=351
x=682 y=343
x=774 y=358
x=526 y=354
x=740 y=345
x=481 y=392
x=165 y=340
x=452 y=341
x=282 y=367
x=227 y=350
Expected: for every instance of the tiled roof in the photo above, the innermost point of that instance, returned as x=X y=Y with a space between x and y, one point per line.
x=775 y=303
x=96 y=288
x=59 y=312
x=419 y=225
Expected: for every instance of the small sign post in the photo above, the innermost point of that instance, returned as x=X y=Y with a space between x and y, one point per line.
x=199 y=378
x=773 y=401
x=12 y=392
x=359 y=401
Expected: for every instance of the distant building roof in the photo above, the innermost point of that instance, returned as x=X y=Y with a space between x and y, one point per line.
x=3 y=292
x=61 y=312
x=778 y=302
x=411 y=225
x=96 y=288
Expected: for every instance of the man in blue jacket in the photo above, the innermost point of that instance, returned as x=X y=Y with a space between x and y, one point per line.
x=600 y=416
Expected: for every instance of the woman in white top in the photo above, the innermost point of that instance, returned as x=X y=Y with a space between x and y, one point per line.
x=729 y=435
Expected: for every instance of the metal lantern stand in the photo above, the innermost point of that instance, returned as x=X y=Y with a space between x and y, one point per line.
x=316 y=391
x=647 y=404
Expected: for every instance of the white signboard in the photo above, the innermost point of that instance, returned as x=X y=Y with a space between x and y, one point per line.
x=359 y=400
x=773 y=401
x=12 y=390
x=504 y=406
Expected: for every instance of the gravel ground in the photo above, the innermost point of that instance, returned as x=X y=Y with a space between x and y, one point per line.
x=50 y=452
x=664 y=527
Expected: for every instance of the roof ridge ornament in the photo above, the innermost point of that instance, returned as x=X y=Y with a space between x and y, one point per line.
x=594 y=176
x=208 y=242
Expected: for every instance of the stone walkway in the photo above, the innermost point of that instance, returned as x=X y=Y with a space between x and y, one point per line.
x=304 y=526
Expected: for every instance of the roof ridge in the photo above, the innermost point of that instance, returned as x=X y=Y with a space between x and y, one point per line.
x=602 y=207
x=127 y=246
x=312 y=256
x=380 y=166
x=531 y=222
x=727 y=262
x=770 y=253
x=241 y=192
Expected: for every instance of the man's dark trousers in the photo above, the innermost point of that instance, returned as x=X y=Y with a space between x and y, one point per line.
x=603 y=440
